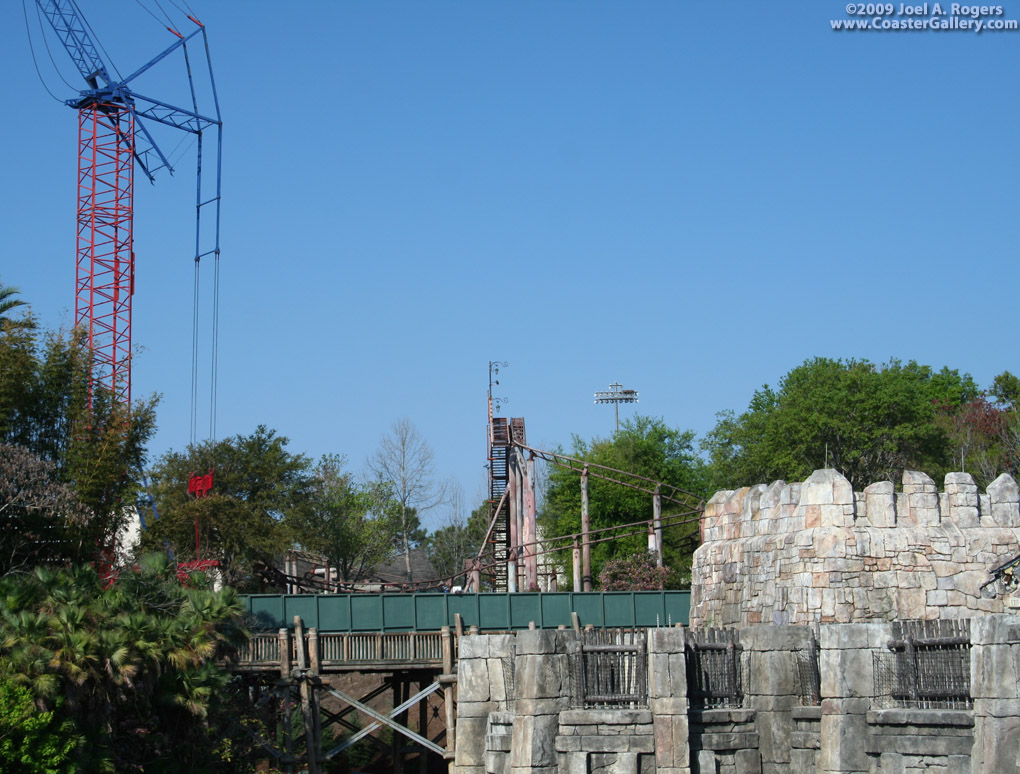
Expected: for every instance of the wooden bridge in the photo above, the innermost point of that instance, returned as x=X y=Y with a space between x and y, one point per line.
x=308 y=648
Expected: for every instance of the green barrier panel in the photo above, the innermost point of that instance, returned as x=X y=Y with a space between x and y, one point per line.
x=430 y=612
x=487 y=611
x=525 y=608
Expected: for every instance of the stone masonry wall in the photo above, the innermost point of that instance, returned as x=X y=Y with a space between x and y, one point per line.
x=848 y=724
x=818 y=552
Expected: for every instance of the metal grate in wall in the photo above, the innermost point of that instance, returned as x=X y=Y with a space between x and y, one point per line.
x=609 y=668
x=927 y=666
x=714 y=678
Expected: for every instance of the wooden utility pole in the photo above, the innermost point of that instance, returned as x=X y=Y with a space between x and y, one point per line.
x=530 y=532
x=657 y=523
x=585 y=533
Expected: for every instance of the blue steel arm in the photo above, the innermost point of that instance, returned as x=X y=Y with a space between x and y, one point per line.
x=70 y=28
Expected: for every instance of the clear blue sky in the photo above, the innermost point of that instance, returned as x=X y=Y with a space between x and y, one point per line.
x=690 y=198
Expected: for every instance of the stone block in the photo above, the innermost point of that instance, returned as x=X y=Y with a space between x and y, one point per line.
x=803 y=761
x=473 y=679
x=474 y=709
x=541 y=676
x=1004 y=499
x=501 y=645
x=880 y=500
x=470 y=741
x=1001 y=749
x=914 y=481
x=846 y=673
x=995 y=629
x=473 y=646
x=536 y=641
x=841 y=748
x=771 y=637
x=666 y=640
x=747 y=762
x=706 y=763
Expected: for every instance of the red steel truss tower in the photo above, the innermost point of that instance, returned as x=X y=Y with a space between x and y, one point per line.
x=105 y=274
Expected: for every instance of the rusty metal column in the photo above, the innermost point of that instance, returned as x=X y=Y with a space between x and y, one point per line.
x=585 y=533
x=515 y=535
x=530 y=533
x=657 y=524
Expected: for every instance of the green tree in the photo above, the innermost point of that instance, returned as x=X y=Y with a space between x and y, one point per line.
x=45 y=409
x=258 y=486
x=340 y=521
x=869 y=422
x=647 y=447
x=133 y=665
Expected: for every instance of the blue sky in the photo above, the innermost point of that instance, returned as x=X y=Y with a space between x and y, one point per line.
x=689 y=198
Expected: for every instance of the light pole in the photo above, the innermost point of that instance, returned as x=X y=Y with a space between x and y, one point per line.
x=616 y=395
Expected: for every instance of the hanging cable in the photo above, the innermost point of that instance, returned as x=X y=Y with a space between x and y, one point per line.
x=31 y=48
x=215 y=345
x=150 y=12
x=169 y=21
x=194 y=356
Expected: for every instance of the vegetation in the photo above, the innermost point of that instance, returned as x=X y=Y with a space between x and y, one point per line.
x=258 y=485
x=404 y=467
x=647 y=447
x=125 y=675
x=869 y=422
x=63 y=467
x=342 y=521
x=637 y=572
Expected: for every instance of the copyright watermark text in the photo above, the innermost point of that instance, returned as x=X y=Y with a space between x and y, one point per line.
x=941 y=17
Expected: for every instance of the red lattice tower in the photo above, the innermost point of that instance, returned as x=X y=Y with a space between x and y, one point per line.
x=105 y=273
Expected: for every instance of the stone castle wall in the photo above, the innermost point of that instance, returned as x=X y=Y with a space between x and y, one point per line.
x=818 y=552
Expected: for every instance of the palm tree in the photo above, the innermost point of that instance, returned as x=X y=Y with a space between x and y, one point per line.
x=9 y=302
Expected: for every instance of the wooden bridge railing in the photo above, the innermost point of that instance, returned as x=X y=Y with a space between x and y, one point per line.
x=343 y=649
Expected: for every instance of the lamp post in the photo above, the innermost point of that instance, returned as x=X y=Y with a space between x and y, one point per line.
x=616 y=395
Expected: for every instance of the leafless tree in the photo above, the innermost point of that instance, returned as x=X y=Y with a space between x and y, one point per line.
x=41 y=519
x=405 y=463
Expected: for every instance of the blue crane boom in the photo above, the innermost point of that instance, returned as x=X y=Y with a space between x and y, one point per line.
x=114 y=136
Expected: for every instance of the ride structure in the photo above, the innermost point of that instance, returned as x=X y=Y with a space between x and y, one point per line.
x=116 y=126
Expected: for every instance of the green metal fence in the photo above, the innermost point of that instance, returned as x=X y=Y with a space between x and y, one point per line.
x=489 y=612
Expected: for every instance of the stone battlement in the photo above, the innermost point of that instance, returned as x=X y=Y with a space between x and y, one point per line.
x=819 y=552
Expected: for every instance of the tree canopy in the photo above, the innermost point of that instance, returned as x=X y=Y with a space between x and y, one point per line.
x=86 y=457
x=645 y=446
x=870 y=422
x=345 y=522
x=257 y=486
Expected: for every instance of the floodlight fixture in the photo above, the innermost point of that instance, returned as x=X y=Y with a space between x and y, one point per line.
x=616 y=394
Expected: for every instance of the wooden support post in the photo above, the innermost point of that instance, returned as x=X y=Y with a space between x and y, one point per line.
x=585 y=533
x=576 y=564
x=448 y=706
x=314 y=658
x=657 y=524
x=398 y=740
x=283 y=638
x=309 y=705
x=458 y=623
